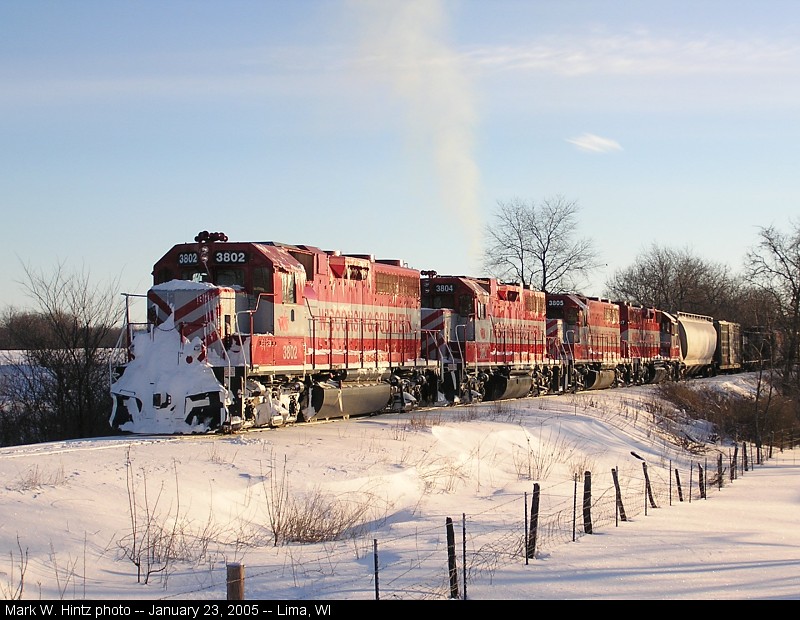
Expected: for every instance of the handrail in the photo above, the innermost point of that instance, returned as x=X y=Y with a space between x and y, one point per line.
x=251 y=313
x=460 y=351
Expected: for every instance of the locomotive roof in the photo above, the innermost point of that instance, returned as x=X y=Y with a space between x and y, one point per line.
x=470 y=282
x=279 y=256
x=284 y=256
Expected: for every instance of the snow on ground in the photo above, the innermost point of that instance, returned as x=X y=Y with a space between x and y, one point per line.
x=79 y=516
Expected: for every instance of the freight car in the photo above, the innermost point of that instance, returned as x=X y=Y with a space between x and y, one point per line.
x=264 y=334
x=698 y=340
x=761 y=347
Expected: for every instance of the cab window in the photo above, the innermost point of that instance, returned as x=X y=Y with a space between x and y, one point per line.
x=230 y=276
x=262 y=280
x=572 y=316
x=443 y=301
x=164 y=275
x=289 y=294
x=194 y=275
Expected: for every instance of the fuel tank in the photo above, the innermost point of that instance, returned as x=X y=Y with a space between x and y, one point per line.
x=657 y=374
x=501 y=387
x=599 y=379
x=329 y=400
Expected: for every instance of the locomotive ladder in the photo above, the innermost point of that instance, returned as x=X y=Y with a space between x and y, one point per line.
x=437 y=344
x=561 y=355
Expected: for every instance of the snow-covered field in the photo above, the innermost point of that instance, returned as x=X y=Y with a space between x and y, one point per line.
x=134 y=518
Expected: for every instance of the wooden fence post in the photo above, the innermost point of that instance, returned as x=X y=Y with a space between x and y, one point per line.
x=649 y=488
x=464 y=551
x=574 y=504
x=531 y=550
x=719 y=470
x=451 y=558
x=678 y=484
x=587 y=502
x=375 y=566
x=235 y=579
x=744 y=457
x=669 y=475
x=620 y=507
x=527 y=529
x=701 y=483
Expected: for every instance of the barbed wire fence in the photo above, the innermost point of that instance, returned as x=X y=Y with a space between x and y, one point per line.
x=455 y=551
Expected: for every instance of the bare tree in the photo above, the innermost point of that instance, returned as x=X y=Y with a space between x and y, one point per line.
x=57 y=385
x=536 y=244
x=676 y=280
x=774 y=265
x=755 y=307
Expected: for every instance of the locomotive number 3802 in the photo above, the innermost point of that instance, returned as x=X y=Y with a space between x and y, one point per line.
x=230 y=257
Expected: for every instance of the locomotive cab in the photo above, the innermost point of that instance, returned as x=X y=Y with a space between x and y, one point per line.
x=647 y=338
x=314 y=334
x=493 y=333
x=590 y=338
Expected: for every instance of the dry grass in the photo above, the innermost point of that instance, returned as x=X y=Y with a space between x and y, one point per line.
x=14 y=586
x=733 y=416
x=424 y=420
x=538 y=459
x=314 y=516
x=160 y=534
x=36 y=478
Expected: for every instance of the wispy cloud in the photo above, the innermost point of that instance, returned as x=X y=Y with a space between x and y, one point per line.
x=642 y=53
x=595 y=144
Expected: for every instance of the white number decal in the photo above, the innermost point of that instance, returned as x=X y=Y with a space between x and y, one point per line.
x=187 y=258
x=290 y=352
x=555 y=302
x=445 y=288
x=230 y=257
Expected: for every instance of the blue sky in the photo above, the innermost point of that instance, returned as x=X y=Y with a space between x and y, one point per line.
x=390 y=128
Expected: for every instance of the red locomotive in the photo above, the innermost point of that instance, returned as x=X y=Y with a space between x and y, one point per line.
x=491 y=336
x=589 y=341
x=245 y=334
x=292 y=333
x=649 y=344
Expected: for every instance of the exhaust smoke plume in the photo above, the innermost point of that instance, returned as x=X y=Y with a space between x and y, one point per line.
x=405 y=43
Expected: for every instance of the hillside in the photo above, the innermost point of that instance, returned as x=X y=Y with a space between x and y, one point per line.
x=161 y=517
